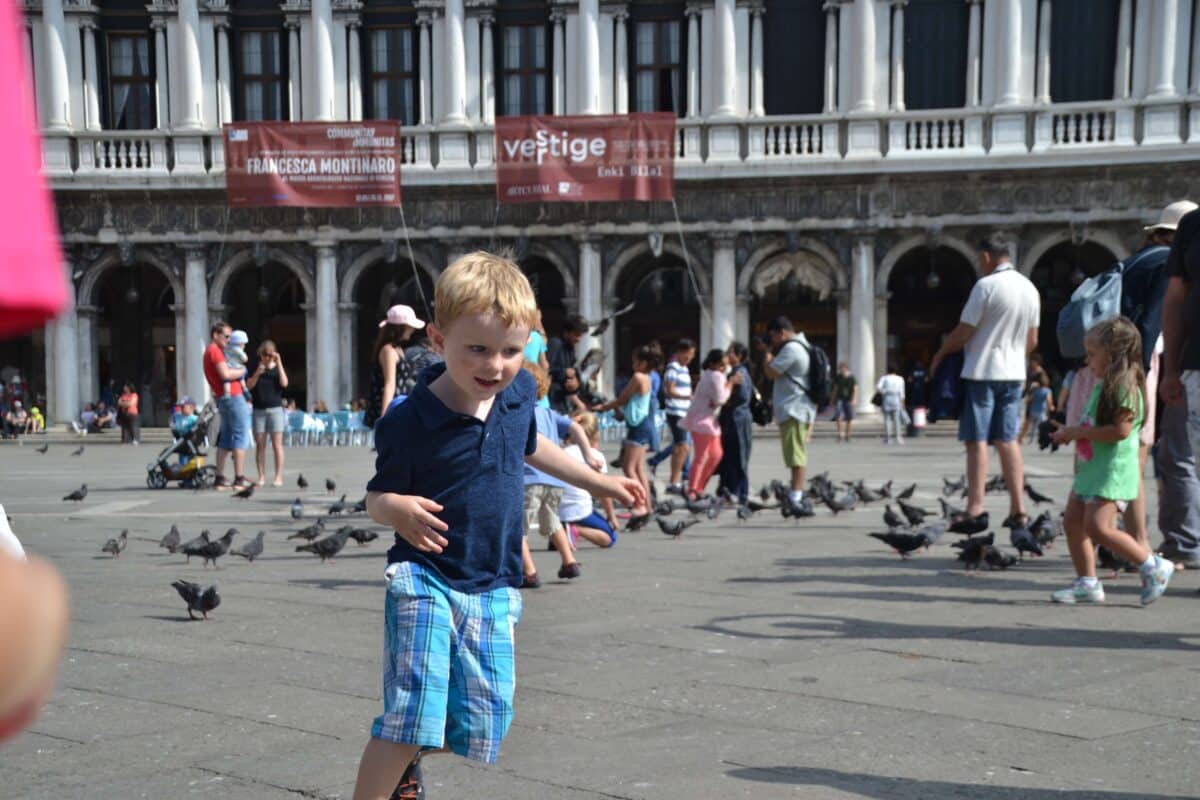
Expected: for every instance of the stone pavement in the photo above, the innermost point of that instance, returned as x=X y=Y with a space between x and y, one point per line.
x=767 y=660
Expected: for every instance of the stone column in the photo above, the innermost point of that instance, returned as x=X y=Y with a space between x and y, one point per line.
x=898 y=54
x=487 y=82
x=621 y=68
x=558 y=66
x=863 y=98
x=1043 y=53
x=693 y=60
x=295 y=108
x=91 y=88
x=191 y=72
x=62 y=356
x=348 y=347
x=724 y=290
x=225 y=70
x=322 y=55
x=89 y=375
x=454 y=64
x=974 y=44
x=425 y=76
x=590 y=288
x=326 y=331
x=1124 y=59
x=589 y=56
x=57 y=93
x=742 y=328
x=1008 y=54
x=1163 y=53
x=757 y=108
x=354 y=91
x=831 y=56
x=1195 y=77
x=880 y=328
x=725 y=59
x=842 y=298
x=196 y=336
x=862 y=317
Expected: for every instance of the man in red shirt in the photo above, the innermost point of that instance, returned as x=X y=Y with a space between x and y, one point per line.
x=233 y=407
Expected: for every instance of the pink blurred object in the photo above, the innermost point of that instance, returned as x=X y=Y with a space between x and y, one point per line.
x=33 y=286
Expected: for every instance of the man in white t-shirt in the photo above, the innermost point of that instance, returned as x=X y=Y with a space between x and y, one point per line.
x=997 y=331
x=677 y=389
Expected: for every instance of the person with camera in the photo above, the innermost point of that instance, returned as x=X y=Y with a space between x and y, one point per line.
x=266 y=385
x=786 y=363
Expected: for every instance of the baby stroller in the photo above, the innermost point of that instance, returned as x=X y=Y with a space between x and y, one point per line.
x=183 y=459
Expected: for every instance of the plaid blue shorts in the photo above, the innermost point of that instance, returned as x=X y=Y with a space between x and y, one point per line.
x=449 y=671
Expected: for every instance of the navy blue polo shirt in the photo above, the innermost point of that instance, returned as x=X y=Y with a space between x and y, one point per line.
x=474 y=469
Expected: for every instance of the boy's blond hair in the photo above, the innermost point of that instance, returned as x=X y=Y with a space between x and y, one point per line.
x=541 y=376
x=484 y=283
x=587 y=421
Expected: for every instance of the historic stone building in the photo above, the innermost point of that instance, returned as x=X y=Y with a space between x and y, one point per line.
x=836 y=162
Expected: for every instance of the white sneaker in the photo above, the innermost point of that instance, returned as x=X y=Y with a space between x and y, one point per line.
x=1079 y=592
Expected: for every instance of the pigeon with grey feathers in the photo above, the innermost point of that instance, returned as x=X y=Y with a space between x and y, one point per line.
x=171 y=540
x=117 y=545
x=197 y=598
x=326 y=548
x=251 y=549
x=674 y=527
x=311 y=532
x=297 y=509
x=77 y=495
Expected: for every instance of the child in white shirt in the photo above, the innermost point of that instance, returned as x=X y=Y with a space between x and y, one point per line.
x=576 y=510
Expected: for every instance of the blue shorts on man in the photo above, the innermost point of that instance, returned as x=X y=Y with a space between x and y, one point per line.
x=450 y=616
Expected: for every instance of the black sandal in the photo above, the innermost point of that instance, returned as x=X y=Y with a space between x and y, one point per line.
x=411 y=785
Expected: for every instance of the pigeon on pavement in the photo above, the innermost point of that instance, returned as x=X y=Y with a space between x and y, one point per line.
x=1045 y=529
x=197 y=599
x=949 y=511
x=902 y=543
x=885 y=491
x=171 y=540
x=211 y=551
x=971 y=550
x=363 y=536
x=638 y=522
x=338 y=507
x=78 y=452
x=311 y=532
x=251 y=549
x=115 y=546
x=1036 y=496
x=674 y=527
x=914 y=515
x=952 y=487
x=1024 y=541
x=744 y=513
x=297 y=509
x=78 y=494
x=330 y=486
x=246 y=493
x=326 y=548
x=892 y=519
x=44 y=448
x=189 y=547
x=907 y=493
x=998 y=559
x=303 y=484
x=358 y=508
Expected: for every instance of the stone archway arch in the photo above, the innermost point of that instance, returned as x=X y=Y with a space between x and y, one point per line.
x=554 y=259
x=1107 y=239
x=909 y=243
x=768 y=251
x=244 y=257
x=632 y=252
x=93 y=276
x=349 y=281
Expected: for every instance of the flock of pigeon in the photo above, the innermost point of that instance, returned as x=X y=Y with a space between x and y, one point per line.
x=315 y=539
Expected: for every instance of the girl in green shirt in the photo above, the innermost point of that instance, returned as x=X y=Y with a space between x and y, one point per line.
x=1106 y=465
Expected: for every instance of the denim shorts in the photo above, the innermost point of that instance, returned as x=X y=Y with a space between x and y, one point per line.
x=641 y=434
x=679 y=434
x=844 y=411
x=991 y=411
x=235 y=423
x=448 y=672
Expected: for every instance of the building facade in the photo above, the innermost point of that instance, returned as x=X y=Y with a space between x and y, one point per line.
x=836 y=161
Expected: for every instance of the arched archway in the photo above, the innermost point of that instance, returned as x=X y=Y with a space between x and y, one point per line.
x=379 y=287
x=267 y=302
x=666 y=308
x=1057 y=273
x=549 y=289
x=801 y=285
x=926 y=288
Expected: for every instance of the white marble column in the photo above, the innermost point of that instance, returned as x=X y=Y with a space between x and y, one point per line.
x=621 y=67
x=326 y=332
x=558 y=64
x=693 y=60
x=757 y=107
x=898 y=54
x=91 y=86
x=57 y=93
x=724 y=59
x=742 y=329
x=842 y=298
x=831 y=55
x=322 y=68
x=974 y=48
x=425 y=76
x=862 y=317
x=589 y=57
x=1124 y=59
x=295 y=109
x=354 y=90
x=487 y=80
x=590 y=289
x=348 y=347
x=880 y=327
x=724 y=290
x=1195 y=77
x=1042 y=76
x=225 y=73
x=62 y=357
x=89 y=373
x=191 y=71
x=1009 y=57
x=1163 y=53
x=454 y=64
x=196 y=335
x=863 y=97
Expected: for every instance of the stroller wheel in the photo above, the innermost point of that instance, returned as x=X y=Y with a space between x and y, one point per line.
x=156 y=479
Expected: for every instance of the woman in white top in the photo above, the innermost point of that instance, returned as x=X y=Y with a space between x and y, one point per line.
x=891 y=393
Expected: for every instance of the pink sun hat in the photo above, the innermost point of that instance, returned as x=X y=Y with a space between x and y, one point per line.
x=402 y=315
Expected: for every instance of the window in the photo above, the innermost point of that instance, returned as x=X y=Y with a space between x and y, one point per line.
x=1083 y=49
x=524 y=84
x=130 y=97
x=794 y=57
x=658 y=72
x=391 y=70
x=261 y=76
x=935 y=54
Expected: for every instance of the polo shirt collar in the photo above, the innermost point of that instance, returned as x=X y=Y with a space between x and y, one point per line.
x=435 y=414
x=1007 y=265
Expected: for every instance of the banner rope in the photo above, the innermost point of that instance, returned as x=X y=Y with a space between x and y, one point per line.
x=495 y=222
x=687 y=260
x=413 y=262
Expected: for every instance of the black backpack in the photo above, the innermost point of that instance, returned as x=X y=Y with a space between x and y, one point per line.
x=820 y=376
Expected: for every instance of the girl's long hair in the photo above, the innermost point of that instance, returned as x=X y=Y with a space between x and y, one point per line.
x=1124 y=383
x=394 y=335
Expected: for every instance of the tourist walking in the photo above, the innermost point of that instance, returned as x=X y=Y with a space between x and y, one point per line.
x=128 y=417
x=997 y=330
x=560 y=355
x=891 y=403
x=634 y=401
x=786 y=363
x=266 y=385
x=712 y=391
x=1039 y=405
x=845 y=399
x=737 y=425
x=677 y=397
x=388 y=368
x=226 y=387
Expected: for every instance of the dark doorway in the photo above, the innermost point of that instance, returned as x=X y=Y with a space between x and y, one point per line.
x=548 y=288
x=265 y=302
x=22 y=371
x=666 y=309
x=926 y=293
x=135 y=340
x=1057 y=274
x=380 y=287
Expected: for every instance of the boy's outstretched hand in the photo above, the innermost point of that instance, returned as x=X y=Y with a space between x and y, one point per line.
x=627 y=491
x=413 y=518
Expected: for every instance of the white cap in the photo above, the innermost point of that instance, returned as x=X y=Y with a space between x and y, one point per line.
x=1168 y=220
x=402 y=315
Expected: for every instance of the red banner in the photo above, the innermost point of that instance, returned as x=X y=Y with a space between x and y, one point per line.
x=318 y=164
x=585 y=158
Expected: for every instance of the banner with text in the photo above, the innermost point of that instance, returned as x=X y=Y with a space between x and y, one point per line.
x=585 y=158
x=317 y=164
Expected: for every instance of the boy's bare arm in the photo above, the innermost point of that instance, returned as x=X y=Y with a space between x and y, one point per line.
x=576 y=436
x=551 y=459
x=410 y=516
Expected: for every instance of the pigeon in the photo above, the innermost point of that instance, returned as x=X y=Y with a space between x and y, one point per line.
x=914 y=515
x=902 y=543
x=744 y=513
x=907 y=493
x=171 y=540
x=1045 y=529
x=865 y=494
x=78 y=494
x=1036 y=496
x=326 y=548
x=251 y=549
x=838 y=504
x=971 y=550
x=700 y=505
x=665 y=508
x=303 y=484
x=638 y=522
x=363 y=536
x=933 y=532
x=44 y=448
x=197 y=599
x=190 y=547
x=1046 y=429
x=358 y=508
x=1024 y=541
x=892 y=519
x=995 y=483
x=78 y=452
x=952 y=487
x=115 y=546
x=804 y=508
x=338 y=507
x=330 y=486
x=997 y=559
x=949 y=511
x=246 y=493
x=674 y=527
x=756 y=506
x=764 y=493
x=211 y=551
x=885 y=491
x=714 y=510
x=1111 y=561
x=311 y=532
x=973 y=542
